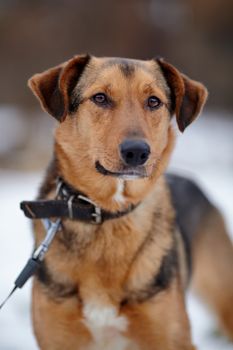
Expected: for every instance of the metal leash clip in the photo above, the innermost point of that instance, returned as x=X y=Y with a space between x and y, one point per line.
x=51 y=228
x=37 y=257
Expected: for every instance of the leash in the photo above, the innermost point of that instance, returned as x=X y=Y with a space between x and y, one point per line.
x=68 y=203
x=37 y=257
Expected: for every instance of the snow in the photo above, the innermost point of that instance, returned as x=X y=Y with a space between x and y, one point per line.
x=203 y=152
x=13 y=129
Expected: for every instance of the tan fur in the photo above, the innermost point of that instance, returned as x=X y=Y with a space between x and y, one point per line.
x=110 y=262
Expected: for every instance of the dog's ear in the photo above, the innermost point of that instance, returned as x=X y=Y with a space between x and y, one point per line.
x=188 y=96
x=54 y=86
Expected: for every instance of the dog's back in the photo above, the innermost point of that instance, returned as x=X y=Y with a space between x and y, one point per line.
x=209 y=250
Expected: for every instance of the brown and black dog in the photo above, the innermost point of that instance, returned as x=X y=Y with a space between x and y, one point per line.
x=120 y=284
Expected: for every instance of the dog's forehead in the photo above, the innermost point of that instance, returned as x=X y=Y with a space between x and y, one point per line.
x=126 y=66
x=110 y=69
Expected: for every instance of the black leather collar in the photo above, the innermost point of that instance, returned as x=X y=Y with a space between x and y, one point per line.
x=72 y=204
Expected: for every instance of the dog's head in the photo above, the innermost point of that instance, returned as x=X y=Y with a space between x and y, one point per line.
x=115 y=113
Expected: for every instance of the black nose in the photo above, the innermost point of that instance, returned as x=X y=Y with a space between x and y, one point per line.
x=134 y=152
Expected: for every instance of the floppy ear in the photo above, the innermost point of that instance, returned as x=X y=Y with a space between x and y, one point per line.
x=188 y=96
x=54 y=86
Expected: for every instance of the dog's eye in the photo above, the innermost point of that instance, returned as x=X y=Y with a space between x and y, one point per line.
x=153 y=102
x=100 y=99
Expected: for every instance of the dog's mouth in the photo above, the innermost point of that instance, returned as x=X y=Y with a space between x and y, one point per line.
x=126 y=173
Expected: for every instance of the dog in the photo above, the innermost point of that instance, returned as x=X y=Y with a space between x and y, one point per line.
x=117 y=279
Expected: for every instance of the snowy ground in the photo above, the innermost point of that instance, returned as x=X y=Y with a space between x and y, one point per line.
x=203 y=152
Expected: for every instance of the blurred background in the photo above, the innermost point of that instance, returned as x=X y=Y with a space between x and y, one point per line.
x=194 y=35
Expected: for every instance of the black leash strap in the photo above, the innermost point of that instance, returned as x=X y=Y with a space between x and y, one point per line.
x=37 y=257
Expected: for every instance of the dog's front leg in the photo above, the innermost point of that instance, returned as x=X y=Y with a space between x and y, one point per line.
x=161 y=322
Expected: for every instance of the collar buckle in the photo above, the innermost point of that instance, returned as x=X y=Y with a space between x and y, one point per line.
x=70 y=206
x=97 y=215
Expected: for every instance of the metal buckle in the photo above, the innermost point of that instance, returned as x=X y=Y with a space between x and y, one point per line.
x=58 y=187
x=97 y=216
x=70 y=206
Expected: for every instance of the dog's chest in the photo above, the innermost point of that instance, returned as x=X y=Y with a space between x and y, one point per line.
x=106 y=326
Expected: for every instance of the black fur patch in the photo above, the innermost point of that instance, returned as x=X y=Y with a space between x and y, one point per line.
x=190 y=205
x=166 y=272
x=56 y=290
x=75 y=100
x=161 y=281
x=127 y=68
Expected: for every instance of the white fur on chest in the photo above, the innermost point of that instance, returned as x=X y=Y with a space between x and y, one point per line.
x=119 y=194
x=106 y=327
